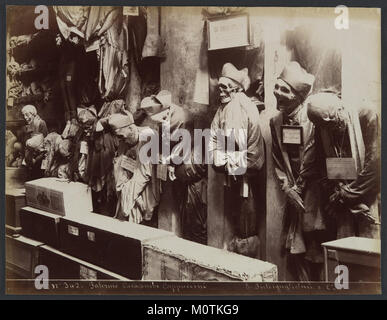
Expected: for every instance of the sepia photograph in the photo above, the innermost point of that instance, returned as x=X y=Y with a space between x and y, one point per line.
x=192 y=150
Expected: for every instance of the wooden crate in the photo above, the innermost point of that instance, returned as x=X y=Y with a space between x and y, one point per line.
x=14 y=201
x=360 y=255
x=59 y=196
x=107 y=242
x=179 y=259
x=40 y=225
x=15 y=177
x=22 y=256
x=63 y=266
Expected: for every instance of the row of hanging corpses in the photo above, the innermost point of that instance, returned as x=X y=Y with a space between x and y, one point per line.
x=308 y=134
x=101 y=147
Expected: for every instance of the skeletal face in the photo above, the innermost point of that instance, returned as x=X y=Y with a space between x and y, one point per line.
x=335 y=120
x=28 y=117
x=227 y=89
x=287 y=100
x=129 y=134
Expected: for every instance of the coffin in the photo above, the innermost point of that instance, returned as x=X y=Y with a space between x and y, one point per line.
x=179 y=259
x=59 y=196
x=107 y=242
x=40 y=225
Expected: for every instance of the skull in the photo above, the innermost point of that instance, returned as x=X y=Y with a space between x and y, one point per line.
x=227 y=89
x=327 y=111
x=129 y=134
x=29 y=112
x=287 y=99
x=28 y=117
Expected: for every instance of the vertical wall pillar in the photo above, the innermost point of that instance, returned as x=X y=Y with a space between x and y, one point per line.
x=271 y=225
x=182 y=30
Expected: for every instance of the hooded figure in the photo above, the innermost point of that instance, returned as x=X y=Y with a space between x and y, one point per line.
x=237 y=149
x=303 y=224
x=351 y=199
x=182 y=185
x=136 y=201
x=34 y=154
x=58 y=155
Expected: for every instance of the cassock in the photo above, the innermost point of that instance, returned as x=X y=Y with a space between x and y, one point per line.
x=243 y=192
x=353 y=204
x=295 y=168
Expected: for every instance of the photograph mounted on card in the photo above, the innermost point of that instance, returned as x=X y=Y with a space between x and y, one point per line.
x=44 y=164
x=130 y=11
x=228 y=32
x=292 y=135
x=341 y=168
x=10 y=102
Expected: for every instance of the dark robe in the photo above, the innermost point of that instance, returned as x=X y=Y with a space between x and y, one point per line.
x=294 y=167
x=243 y=192
x=360 y=197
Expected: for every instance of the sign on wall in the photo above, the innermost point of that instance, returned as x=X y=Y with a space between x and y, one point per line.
x=228 y=32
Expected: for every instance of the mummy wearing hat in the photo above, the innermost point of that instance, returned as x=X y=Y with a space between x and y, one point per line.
x=130 y=176
x=293 y=143
x=237 y=121
x=123 y=126
x=180 y=184
x=348 y=137
x=58 y=156
x=34 y=155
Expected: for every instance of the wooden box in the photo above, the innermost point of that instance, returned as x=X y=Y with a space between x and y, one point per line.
x=22 y=256
x=63 y=266
x=179 y=259
x=15 y=177
x=360 y=255
x=59 y=196
x=14 y=201
x=40 y=225
x=107 y=242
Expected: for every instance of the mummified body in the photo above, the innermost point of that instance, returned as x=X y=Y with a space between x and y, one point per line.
x=244 y=182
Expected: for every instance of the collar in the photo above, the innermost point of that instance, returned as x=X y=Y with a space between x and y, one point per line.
x=293 y=118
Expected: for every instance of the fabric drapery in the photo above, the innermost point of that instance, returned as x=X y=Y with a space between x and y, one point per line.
x=304 y=179
x=114 y=61
x=102 y=149
x=360 y=195
x=240 y=114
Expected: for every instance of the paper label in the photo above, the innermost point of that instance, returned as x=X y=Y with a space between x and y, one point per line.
x=10 y=102
x=84 y=149
x=292 y=135
x=131 y=11
x=162 y=172
x=228 y=32
x=68 y=78
x=91 y=236
x=87 y=274
x=341 y=168
x=43 y=166
x=45 y=199
x=128 y=163
x=245 y=188
x=73 y=230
